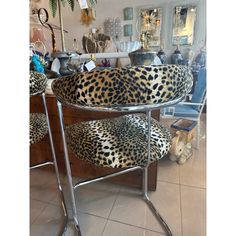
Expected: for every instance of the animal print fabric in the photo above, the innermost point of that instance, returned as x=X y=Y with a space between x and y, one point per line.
x=38 y=127
x=119 y=142
x=37 y=82
x=124 y=86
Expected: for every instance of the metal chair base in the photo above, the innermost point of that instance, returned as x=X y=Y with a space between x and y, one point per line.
x=70 y=225
x=72 y=187
x=63 y=228
x=76 y=227
x=157 y=215
x=54 y=164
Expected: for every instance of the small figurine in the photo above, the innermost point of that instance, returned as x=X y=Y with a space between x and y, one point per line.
x=180 y=150
x=177 y=147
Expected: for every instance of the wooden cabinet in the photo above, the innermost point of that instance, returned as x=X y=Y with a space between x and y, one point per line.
x=41 y=151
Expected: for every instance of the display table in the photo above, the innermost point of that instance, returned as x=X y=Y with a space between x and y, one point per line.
x=41 y=151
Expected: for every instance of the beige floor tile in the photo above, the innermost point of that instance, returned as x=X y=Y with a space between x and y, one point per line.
x=193 y=172
x=168 y=171
x=126 y=204
x=43 y=185
x=97 y=198
x=193 y=201
x=36 y=207
x=42 y=176
x=167 y=200
x=91 y=225
x=56 y=200
x=118 y=229
x=131 y=209
x=152 y=233
x=44 y=193
x=50 y=221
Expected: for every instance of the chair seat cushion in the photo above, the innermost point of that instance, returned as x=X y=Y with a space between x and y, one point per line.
x=38 y=127
x=118 y=142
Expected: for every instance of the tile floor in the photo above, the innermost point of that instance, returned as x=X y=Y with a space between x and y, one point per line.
x=114 y=210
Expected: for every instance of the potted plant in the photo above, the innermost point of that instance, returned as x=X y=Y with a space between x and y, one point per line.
x=54 y=4
x=63 y=56
x=87 y=15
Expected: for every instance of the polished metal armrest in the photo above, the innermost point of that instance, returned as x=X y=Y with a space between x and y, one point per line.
x=191 y=103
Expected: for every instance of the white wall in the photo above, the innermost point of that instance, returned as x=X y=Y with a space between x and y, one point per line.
x=114 y=8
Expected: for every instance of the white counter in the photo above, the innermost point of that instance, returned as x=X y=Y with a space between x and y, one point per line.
x=108 y=55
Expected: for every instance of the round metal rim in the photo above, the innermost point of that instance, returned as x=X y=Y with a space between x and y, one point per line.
x=121 y=108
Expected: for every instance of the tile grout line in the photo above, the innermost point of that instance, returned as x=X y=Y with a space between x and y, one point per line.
x=111 y=211
x=46 y=205
x=191 y=186
x=117 y=221
x=52 y=203
x=45 y=202
x=91 y=214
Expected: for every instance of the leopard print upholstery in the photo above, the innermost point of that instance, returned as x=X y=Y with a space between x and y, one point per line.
x=38 y=122
x=37 y=82
x=124 y=86
x=119 y=142
x=38 y=127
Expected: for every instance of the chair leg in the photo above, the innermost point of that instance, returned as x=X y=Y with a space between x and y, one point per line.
x=69 y=175
x=150 y=204
x=59 y=186
x=75 y=232
x=72 y=195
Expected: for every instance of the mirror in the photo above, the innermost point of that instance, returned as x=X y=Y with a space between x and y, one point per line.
x=183 y=25
x=150 y=24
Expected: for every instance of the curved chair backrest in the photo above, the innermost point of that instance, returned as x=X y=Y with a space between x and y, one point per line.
x=38 y=82
x=129 y=86
x=200 y=88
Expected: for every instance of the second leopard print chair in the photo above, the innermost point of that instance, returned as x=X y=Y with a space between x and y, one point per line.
x=130 y=141
x=40 y=127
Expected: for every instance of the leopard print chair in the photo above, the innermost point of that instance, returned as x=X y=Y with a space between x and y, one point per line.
x=38 y=121
x=130 y=141
x=40 y=127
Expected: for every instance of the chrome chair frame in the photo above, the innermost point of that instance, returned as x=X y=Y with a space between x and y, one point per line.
x=165 y=115
x=169 y=112
x=53 y=162
x=134 y=108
